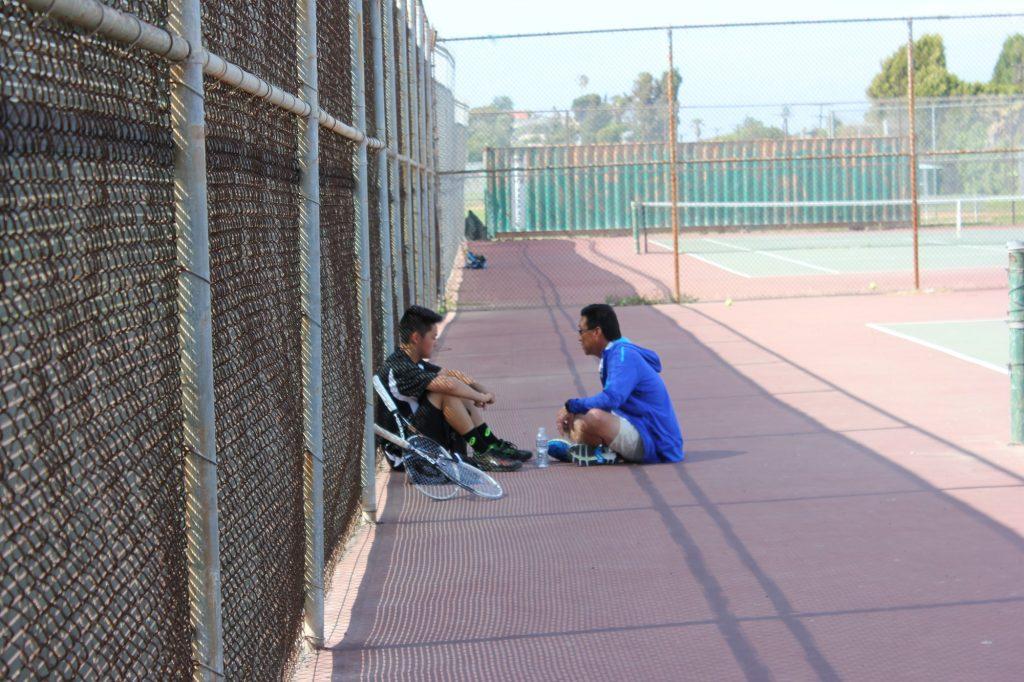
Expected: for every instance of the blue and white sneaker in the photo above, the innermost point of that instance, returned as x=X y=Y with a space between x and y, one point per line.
x=559 y=449
x=590 y=455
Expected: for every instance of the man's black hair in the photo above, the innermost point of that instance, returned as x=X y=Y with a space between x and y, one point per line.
x=603 y=316
x=416 y=319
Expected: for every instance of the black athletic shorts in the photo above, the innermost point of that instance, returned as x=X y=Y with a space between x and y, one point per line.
x=429 y=420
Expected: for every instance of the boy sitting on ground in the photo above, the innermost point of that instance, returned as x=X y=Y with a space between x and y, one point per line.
x=633 y=416
x=443 y=404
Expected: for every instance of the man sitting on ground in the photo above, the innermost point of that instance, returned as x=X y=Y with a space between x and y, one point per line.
x=443 y=403
x=633 y=416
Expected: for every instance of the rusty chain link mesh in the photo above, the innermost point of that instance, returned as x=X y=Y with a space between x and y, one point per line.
x=93 y=566
x=342 y=364
x=373 y=192
x=401 y=222
x=95 y=581
x=254 y=201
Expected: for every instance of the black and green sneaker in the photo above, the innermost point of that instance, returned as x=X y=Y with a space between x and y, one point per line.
x=507 y=450
x=488 y=461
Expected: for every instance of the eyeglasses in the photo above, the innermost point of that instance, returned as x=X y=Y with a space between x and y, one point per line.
x=581 y=331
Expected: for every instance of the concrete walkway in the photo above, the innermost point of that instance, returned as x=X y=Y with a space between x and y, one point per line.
x=839 y=515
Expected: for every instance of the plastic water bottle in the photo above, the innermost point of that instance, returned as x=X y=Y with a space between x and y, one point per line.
x=542 y=448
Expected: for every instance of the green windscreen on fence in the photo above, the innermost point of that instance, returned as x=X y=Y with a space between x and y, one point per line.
x=592 y=187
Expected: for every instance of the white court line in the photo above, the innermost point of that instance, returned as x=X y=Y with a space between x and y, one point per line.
x=941 y=349
x=704 y=260
x=970 y=246
x=983 y=319
x=773 y=255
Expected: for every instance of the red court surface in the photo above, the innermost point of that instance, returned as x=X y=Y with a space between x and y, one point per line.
x=848 y=509
x=556 y=271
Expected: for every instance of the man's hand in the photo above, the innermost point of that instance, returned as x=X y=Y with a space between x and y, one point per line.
x=485 y=400
x=564 y=421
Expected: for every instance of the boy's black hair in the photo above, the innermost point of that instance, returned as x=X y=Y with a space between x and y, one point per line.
x=603 y=316
x=416 y=319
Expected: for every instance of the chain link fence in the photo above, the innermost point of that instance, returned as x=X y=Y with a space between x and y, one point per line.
x=106 y=574
x=798 y=167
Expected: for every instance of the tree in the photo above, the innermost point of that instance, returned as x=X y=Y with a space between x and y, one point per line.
x=931 y=78
x=591 y=114
x=752 y=129
x=489 y=126
x=1008 y=75
x=648 y=115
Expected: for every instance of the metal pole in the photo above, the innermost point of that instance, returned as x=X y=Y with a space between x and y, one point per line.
x=312 y=350
x=421 y=157
x=914 y=209
x=398 y=250
x=408 y=231
x=673 y=177
x=1015 y=321
x=383 y=196
x=415 y=229
x=435 y=183
x=365 y=305
x=634 y=208
x=195 y=334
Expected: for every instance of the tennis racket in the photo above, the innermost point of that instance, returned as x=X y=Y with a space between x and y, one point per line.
x=424 y=458
x=422 y=453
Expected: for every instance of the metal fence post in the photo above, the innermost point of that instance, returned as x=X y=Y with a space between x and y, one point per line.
x=417 y=151
x=188 y=118
x=409 y=237
x=312 y=349
x=365 y=282
x=1015 y=321
x=673 y=177
x=434 y=193
x=393 y=83
x=914 y=208
x=380 y=123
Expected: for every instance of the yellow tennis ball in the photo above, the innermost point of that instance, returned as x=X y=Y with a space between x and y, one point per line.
x=872 y=286
x=728 y=302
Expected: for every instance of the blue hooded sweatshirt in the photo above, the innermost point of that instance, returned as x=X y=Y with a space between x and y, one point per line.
x=633 y=389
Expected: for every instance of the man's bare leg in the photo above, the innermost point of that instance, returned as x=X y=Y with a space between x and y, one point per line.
x=596 y=427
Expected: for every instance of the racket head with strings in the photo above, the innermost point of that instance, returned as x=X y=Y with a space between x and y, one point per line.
x=462 y=474
x=422 y=470
x=428 y=478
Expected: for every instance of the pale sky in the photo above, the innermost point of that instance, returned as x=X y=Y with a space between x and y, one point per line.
x=723 y=69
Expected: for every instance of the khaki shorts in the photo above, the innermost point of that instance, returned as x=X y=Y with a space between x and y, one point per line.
x=628 y=444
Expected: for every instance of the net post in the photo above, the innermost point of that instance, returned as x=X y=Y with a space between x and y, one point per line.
x=673 y=178
x=195 y=334
x=1015 y=322
x=959 y=217
x=914 y=208
x=634 y=219
x=383 y=196
x=369 y=468
x=312 y=348
x=643 y=225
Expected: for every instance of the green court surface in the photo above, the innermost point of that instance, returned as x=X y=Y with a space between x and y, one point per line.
x=752 y=255
x=982 y=342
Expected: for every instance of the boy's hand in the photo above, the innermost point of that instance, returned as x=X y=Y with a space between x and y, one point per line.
x=485 y=400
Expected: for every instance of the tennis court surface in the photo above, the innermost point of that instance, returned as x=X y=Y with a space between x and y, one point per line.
x=848 y=509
